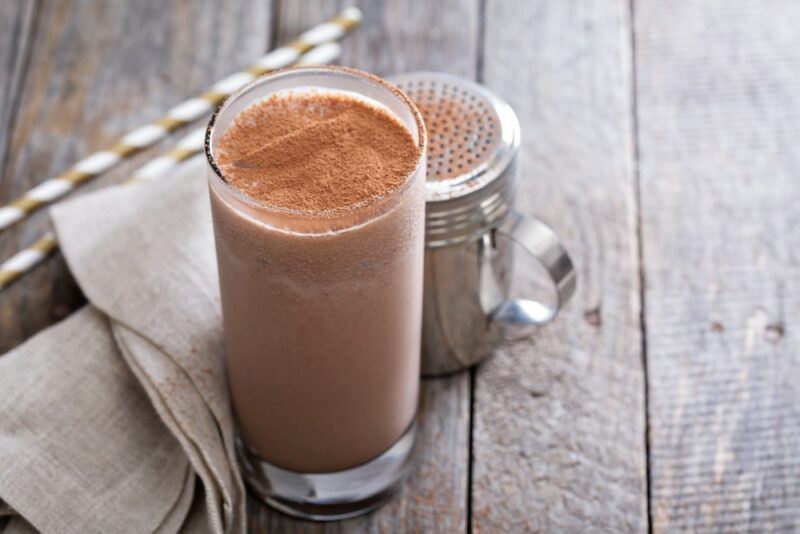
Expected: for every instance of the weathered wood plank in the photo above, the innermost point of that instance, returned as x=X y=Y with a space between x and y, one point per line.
x=398 y=36
x=16 y=25
x=559 y=429
x=718 y=107
x=98 y=69
x=395 y=38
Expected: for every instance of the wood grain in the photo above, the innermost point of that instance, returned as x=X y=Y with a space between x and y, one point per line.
x=98 y=69
x=16 y=26
x=398 y=36
x=395 y=38
x=719 y=116
x=559 y=429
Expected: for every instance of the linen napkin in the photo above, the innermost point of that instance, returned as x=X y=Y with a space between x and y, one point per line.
x=117 y=419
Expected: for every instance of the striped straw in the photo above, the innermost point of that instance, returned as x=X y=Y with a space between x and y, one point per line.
x=182 y=114
x=193 y=143
x=26 y=259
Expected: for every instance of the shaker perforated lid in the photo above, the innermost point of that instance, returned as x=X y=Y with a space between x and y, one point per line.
x=473 y=135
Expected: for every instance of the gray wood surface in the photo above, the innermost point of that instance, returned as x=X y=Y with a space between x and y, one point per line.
x=719 y=123
x=395 y=38
x=559 y=432
x=16 y=25
x=96 y=70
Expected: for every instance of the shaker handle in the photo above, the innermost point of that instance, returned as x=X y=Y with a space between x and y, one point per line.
x=542 y=243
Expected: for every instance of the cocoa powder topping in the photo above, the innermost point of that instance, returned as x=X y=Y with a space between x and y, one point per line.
x=316 y=152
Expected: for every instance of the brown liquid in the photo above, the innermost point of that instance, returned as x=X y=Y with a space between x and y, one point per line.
x=322 y=329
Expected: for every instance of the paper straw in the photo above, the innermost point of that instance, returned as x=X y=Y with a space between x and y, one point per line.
x=192 y=144
x=26 y=259
x=182 y=114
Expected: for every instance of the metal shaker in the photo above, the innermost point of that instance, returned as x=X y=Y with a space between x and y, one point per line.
x=470 y=226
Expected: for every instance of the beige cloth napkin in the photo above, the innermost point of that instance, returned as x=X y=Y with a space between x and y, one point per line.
x=117 y=419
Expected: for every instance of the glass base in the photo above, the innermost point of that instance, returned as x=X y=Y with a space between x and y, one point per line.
x=330 y=496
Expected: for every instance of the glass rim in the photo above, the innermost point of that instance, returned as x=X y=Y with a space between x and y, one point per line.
x=346 y=211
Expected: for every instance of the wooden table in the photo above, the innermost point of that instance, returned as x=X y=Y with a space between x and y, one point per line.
x=660 y=141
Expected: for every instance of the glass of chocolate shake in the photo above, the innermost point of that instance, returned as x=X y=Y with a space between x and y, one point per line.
x=317 y=185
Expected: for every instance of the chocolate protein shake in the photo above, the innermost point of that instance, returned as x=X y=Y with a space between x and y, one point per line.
x=317 y=198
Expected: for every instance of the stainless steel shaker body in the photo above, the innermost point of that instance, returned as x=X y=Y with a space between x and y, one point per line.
x=470 y=225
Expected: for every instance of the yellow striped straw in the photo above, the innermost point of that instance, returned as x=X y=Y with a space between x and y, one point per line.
x=182 y=114
x=27 y=259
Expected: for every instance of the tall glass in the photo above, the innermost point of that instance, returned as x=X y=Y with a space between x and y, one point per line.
x=322 y=318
